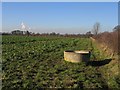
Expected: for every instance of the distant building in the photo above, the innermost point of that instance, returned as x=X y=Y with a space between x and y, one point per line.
x=17 y=32
x=89 y=34
x=22 y=31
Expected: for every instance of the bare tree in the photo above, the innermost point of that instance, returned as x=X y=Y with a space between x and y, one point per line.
x=96 y=28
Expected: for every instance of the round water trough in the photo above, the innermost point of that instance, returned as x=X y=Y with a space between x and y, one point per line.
x=77 y=56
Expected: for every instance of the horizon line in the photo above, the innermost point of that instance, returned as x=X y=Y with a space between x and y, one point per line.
x=59 y=1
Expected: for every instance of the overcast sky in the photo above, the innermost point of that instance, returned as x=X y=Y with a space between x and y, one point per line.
x=59 y=17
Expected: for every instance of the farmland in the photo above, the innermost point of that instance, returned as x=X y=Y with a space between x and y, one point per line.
x=37 y=62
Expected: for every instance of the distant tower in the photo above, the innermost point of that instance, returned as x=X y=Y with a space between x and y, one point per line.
x=23 y=27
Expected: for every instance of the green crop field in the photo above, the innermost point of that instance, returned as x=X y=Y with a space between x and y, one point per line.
x=33 y=62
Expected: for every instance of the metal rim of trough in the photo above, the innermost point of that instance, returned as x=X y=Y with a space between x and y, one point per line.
x=77 y=56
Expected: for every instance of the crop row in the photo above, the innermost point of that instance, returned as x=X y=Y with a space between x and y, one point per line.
x=40 y=63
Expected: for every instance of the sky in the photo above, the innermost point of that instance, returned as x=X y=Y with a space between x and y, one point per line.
x=59 y=17
x=60 y=0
